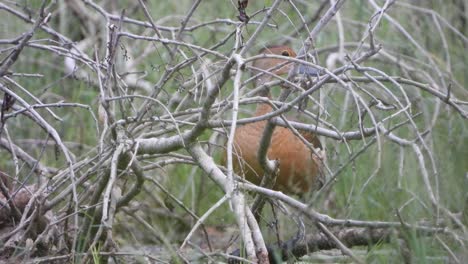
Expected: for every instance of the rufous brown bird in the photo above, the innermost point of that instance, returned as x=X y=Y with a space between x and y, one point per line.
x=300 y=167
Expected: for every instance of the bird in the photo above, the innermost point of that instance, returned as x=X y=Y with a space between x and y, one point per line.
x=300 y=167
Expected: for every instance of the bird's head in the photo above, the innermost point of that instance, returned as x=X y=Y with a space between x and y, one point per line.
x=273 y=64
x=279 y=66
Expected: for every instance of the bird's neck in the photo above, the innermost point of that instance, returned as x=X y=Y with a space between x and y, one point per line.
x=263 y=108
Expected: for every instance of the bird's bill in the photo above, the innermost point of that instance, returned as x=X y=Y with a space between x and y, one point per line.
x=308 y=70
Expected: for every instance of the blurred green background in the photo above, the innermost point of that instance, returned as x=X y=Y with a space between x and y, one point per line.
x=396 y=185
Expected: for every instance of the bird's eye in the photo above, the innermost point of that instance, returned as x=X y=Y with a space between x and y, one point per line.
x=285 y=53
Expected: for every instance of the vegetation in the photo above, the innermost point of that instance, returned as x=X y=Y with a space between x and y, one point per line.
x=115 y=115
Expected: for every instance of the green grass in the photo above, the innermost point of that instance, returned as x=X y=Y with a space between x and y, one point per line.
x=378 y=201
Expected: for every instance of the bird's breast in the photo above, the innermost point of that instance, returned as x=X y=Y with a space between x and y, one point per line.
x=297 y=168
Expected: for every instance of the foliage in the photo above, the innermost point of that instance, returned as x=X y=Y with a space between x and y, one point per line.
x=121 y=111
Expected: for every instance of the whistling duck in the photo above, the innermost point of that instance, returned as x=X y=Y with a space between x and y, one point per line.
x=300 y=168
